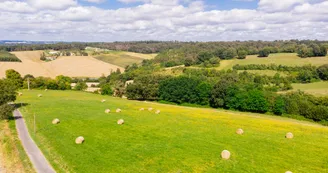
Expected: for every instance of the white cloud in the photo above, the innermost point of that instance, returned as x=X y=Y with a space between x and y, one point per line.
x=76 y=14
x=278 y=5
x=52 y=4
x=15 y=6
x=163 y=20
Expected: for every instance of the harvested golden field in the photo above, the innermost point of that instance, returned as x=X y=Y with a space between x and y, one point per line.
x=73 y=66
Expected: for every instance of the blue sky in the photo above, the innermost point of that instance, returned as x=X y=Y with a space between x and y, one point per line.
x=183 y=20
x=212 y=4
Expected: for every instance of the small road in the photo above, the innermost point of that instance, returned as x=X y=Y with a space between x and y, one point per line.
x=38 y=160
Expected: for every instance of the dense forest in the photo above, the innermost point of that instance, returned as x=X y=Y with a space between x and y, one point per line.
x=237 y=47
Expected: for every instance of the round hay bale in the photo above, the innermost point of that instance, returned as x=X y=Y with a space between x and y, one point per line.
x=107 y=111
x=118 y=110
x=102 y=101
x=225 y=154
x=141 y=109
x=79 y=140
x=120 y=122
x=55 y=121
x=20 y=94
x=158 y=112
x=288 y=172
x=240 y=131
x=289 y=135
x=150 y=109
x=46 y=90
x=40 y=95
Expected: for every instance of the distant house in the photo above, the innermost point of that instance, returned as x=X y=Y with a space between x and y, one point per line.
x=51 y=58
x=128 y=82
x=53 y=52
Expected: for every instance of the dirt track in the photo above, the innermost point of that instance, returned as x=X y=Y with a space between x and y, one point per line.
x=73 y=66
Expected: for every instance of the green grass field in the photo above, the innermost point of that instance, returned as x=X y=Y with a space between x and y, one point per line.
x=6 y=56
x=289 y=59
x=317 y=88
x=123 y=59
x=180 y=139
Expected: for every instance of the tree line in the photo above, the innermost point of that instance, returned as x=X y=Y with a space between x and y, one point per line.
x=231 y=90
x=304 y=74
x=233 y=48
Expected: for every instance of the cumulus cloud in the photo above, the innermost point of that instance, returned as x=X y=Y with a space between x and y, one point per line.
x=51 y=4
x=186 y=20
x=274 y=5
x=76 y=14
x=16 y=6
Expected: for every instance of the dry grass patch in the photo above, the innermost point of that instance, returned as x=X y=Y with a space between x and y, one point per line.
x=12 y=155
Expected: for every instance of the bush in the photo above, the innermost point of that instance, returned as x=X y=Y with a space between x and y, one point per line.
x=81 y=86
x=307 y=76
x=6 y=111
x=106 y=90
x=264 y=52
x=323 y=72
x=242 y=54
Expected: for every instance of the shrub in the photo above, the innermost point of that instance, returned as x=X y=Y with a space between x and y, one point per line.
x=323 y=72
x=81 y=86
x=6 y=111
x=264 y=52
x=106 y=90
x=242 y=54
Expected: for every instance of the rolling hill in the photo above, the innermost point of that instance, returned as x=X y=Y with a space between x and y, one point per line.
x=73 y=66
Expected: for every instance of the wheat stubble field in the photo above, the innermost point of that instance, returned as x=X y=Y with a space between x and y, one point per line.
x=73 y=66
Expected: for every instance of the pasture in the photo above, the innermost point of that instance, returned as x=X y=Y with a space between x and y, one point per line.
x=316 y=88
x=123 y=59
x=179 y=139
x=288 y=59
x=8 y=57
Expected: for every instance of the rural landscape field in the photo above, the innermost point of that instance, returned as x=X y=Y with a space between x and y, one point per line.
x=163 y=86
x=179 y=139
x=74 y=66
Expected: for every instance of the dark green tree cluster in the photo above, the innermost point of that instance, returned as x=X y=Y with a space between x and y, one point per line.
x=274 y=67
x=312 y=50
x=59 y=83
x=145 y=87
x=184 y=90
x=8 y=87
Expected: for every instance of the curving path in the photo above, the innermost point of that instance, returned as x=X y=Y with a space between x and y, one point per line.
x=38 y=160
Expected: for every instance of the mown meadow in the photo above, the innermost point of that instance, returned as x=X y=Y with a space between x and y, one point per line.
x=179 y=139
